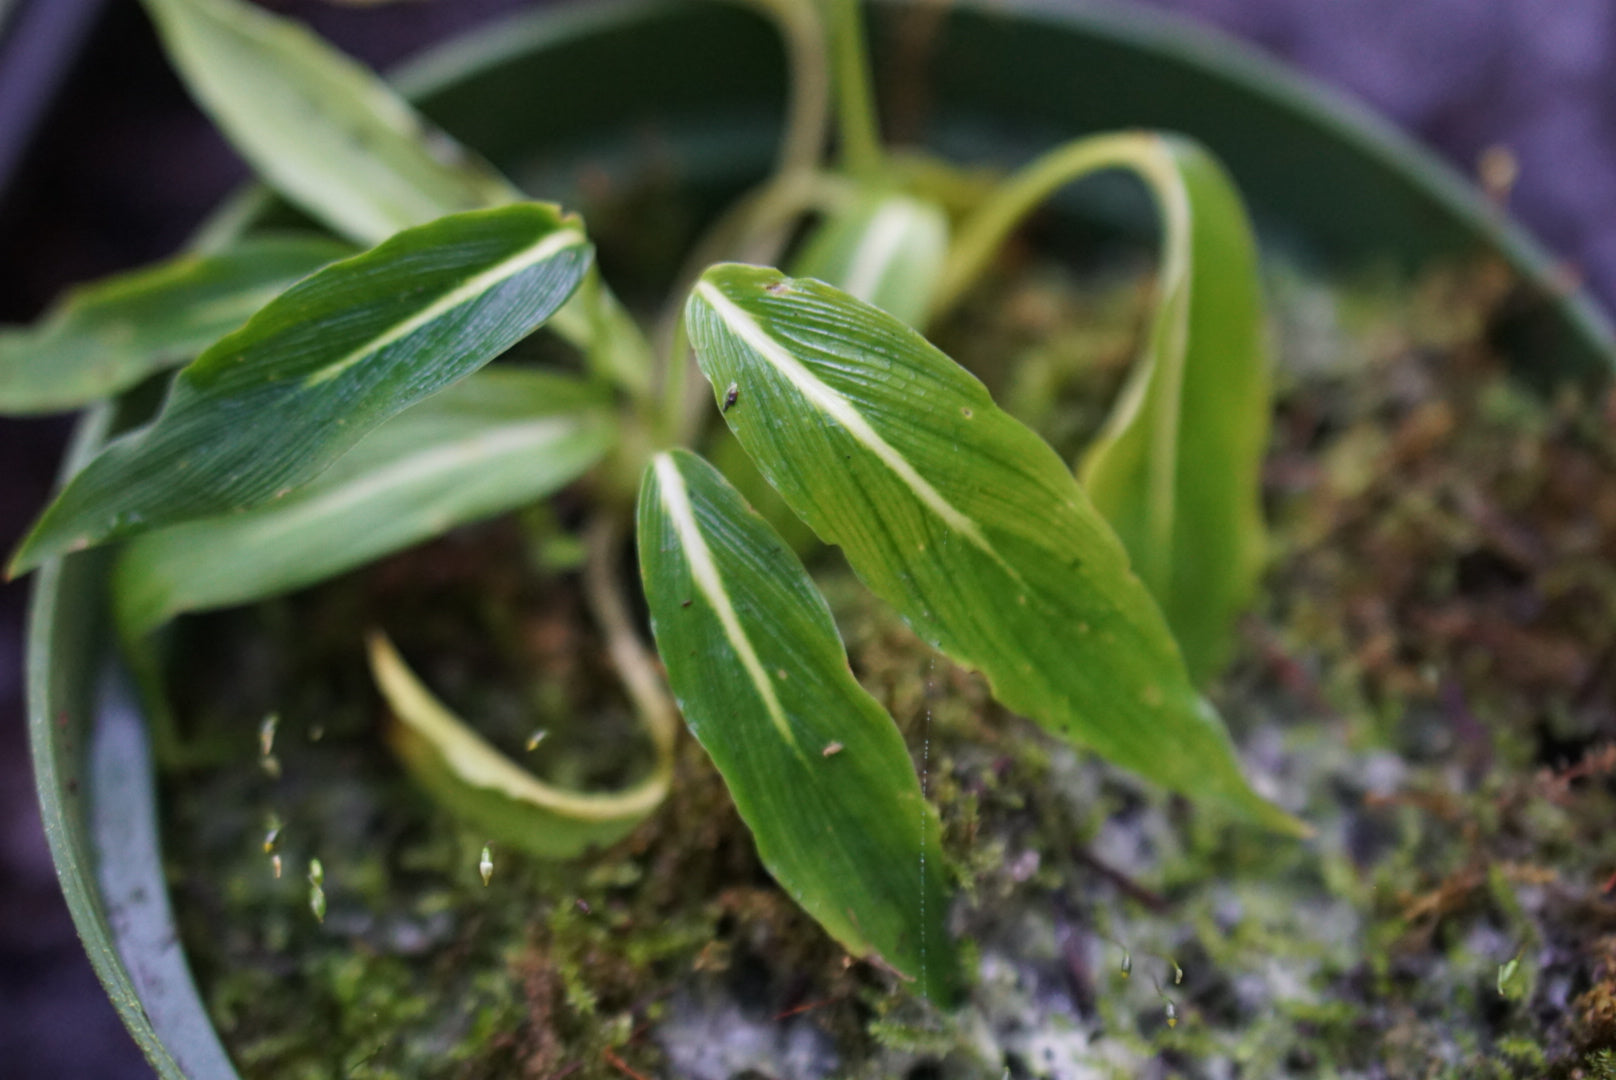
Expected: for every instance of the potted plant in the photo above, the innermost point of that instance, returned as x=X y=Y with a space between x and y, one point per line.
x=1010 y=572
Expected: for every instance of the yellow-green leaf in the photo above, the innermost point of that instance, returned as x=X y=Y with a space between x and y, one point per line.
x=962 y=519
x=504 y=802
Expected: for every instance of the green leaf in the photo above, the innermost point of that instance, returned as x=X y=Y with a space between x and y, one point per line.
x=1177 y=470
x=887 y=250
x=501 y=439
x=962 y=519
x=321 y=128
x=504 y=802
x=268 y=408
x=104 y=337
x=335 y=139
x=816 y=767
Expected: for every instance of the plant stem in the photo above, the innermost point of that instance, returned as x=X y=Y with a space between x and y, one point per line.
x=855 y=103
x=752 y=230
x=808 y=113
x=614 y=347
x=636 y=665
x=984 y=231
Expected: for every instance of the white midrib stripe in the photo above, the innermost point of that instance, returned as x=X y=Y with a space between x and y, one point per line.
x=552 y=243
x=418 y=467
x=676 y=501
x=842 y=411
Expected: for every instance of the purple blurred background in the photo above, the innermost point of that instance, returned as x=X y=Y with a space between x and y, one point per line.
x=120 y=167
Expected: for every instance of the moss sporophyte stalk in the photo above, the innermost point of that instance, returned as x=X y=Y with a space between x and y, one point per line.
x=1037 y=591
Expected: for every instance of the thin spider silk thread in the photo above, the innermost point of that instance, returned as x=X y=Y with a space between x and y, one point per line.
x=925 y=795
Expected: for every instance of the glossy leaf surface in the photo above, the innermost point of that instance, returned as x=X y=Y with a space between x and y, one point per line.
x=1177 y=470
x=320 y=127
x=962 y=519
x=887 y=250
x=493 y=442
x=816 y=767
x=504 y=802
x=106 y=336
x=271 y=406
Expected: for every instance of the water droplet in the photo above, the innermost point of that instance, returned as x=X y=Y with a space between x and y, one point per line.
x=271 y=766
x=485 y=865
x=832 y=749
x=1127 y=963
x=1178 y=973
x=535 y=739
x=965 y=411
x=1172 y=1015
x=275 y=865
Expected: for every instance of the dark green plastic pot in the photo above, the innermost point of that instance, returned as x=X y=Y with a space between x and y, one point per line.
x=697 y=89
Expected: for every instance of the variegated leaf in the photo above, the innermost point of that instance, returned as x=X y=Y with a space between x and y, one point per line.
x=960 y=517
x=271 y=406
x=501 y=800
x=498 y=440
x=816 y=767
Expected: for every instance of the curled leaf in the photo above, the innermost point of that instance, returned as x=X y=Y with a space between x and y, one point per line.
x=504 y=801
x=1177 y=470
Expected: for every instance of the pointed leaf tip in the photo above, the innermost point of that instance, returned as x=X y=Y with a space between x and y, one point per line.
x=816 y=767
x=962 y=519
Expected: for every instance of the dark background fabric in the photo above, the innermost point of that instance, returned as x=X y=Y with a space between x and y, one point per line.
x=121 y=168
